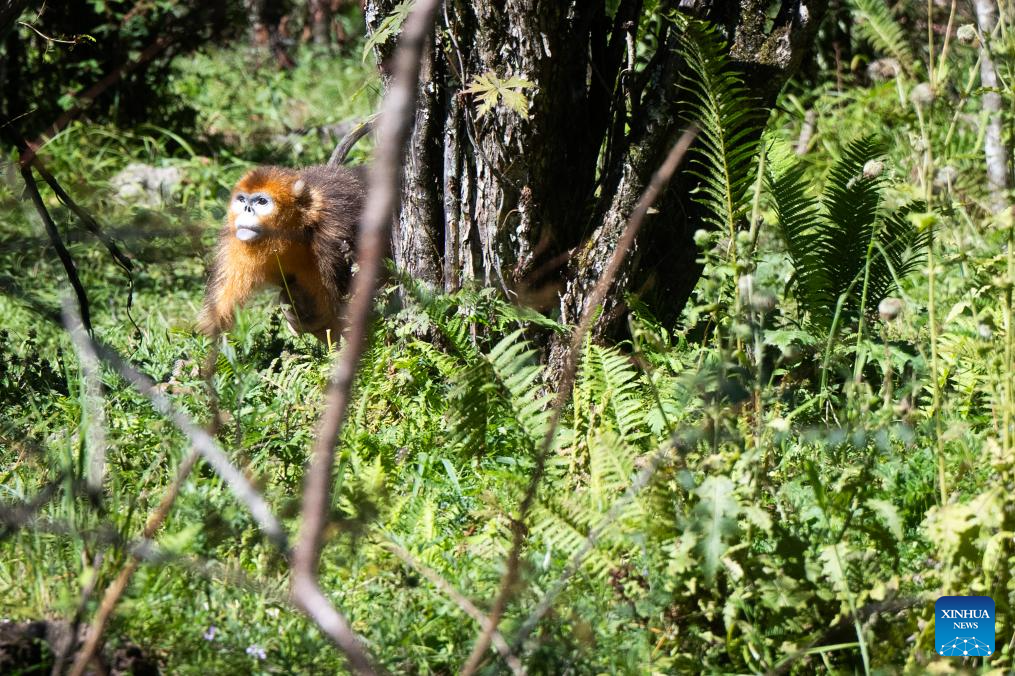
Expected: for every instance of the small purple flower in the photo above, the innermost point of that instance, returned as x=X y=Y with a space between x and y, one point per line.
x=209 y=635
x=257 y=651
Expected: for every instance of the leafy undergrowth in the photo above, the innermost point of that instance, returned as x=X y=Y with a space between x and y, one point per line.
x=806 y=486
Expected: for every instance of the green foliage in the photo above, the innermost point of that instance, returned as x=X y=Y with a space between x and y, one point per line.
x=747 y=515
x=730 y=126
x=491 y=90
x=62 y=49
x=848 y=253
x=879 y=27
x=389 y=27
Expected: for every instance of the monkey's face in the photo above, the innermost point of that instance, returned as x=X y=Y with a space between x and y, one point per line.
x=264 y=204
x=250 y=211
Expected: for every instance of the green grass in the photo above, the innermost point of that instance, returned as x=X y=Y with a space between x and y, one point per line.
x=787 y=506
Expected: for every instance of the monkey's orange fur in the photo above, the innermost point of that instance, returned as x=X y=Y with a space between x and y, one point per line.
x=304 y=247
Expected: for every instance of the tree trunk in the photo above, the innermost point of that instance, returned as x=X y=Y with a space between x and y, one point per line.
x=265 y=19
x=10 y=12
x=320 y=22
x=532 y=201
x=995 y=152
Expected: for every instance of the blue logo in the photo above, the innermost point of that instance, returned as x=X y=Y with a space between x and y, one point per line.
x=964 y=626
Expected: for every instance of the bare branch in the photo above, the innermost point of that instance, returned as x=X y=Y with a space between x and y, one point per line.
x=93 y=404
x=115 y=590
x=91 y=224
x=660 y=179
x=203 y=443
x=392 y=133
x=54 y=237
x=461 y=601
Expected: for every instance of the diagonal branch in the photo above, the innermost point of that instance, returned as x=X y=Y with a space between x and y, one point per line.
x=54 y=237
x=93 y=640
x=115 y=590
x=91 y=224
x=509 y=581
x=202 y=443
x=461 y=601
x=379 y=210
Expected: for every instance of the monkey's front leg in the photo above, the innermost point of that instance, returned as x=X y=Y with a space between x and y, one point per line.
x=228 y=288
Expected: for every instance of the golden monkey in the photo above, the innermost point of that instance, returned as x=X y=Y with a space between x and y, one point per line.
x=290 y=229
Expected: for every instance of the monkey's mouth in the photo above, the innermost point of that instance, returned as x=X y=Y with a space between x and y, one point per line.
x=248 y=234
x=248 y=229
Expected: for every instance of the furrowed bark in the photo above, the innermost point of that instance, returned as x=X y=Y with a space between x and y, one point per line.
x=532 y=202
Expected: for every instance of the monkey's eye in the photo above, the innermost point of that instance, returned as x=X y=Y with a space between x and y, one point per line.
x=261 y=201
x=241 y=198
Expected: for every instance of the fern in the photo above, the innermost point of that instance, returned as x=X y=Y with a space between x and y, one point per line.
x=502 y=384
x=730 y=126
x=877 y=25
x=829 y=241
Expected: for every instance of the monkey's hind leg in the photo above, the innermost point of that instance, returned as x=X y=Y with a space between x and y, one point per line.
x=303 y=313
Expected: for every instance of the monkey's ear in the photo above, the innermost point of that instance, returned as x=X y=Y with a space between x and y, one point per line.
x=298 y=187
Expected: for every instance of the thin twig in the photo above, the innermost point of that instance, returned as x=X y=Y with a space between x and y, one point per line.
x=15 y=516
x=461 y=601
x=393 y=131
x=85 y=98
x=92 y=225
x=341 y=150
x=655 y=187
x=54 y=237
x=89 y=360
x=46 y=37
x=115 y=590
x=93 y=404
x=202 y=442
x=145 y=550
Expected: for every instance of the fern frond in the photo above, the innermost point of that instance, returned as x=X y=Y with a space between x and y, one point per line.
x=877 y=25
x=830 y=241
x=851 y=201
x=505 y=381
x=798 y=219
x=903 y=245
x=729 y=122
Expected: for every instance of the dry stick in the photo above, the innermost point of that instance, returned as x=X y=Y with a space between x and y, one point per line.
x=640 y=482
x=340 y=152
x=85 y=98
x=146 y=550
x=659 y=181
x=89 y=360
x=115 y=590
x=92 y=403
x=394 y=126
x=91 y=224
x=13 y=517
x=203 y=443
x=86 y=595
x=461 y=601
x=155 y=521
x=57 y=242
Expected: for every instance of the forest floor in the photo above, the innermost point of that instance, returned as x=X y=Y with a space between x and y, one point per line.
x=824 y=488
